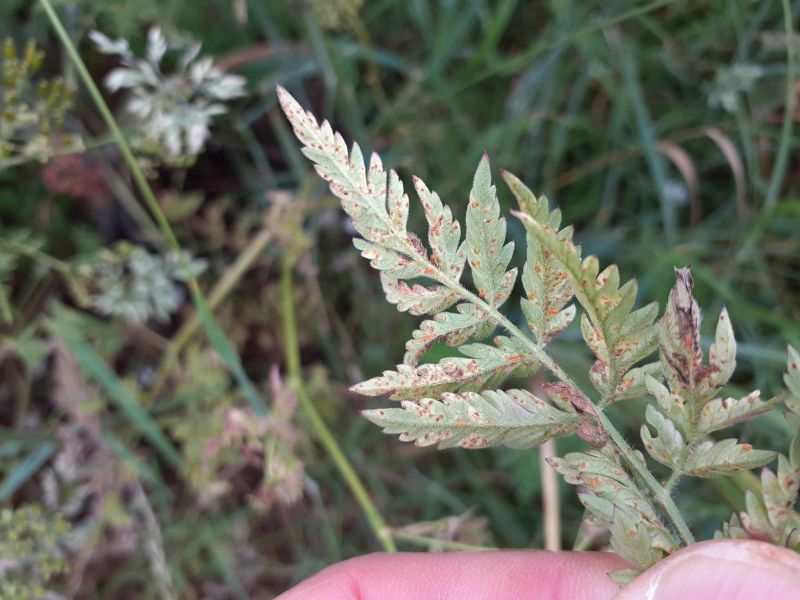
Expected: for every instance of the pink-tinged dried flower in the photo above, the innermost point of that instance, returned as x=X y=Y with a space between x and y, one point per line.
x=72 y=175
x=249 y=435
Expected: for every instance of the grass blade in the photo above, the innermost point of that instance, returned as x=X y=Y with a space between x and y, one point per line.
x=25 y=470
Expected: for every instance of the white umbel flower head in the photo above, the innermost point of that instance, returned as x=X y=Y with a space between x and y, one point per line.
x=173 y=109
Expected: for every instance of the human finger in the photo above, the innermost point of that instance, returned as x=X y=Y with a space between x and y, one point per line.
x=528 y=575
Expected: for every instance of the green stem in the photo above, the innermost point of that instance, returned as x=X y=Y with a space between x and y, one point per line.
x=218 y=293
x=661 y=495
x=214 y=331
x=128 y=201
x=673 y=480
x=779 y=169
x=746 y=135
x=116 y=133
x=326 y=438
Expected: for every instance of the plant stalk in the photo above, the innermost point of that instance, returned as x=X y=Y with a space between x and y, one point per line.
x=218 y=293
x=551 y=502
x=326 y=438
x=116 y=133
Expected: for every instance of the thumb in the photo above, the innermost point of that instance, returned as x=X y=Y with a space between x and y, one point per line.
x=729 y=569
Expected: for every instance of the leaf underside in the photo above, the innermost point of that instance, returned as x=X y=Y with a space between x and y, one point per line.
x=514 y=418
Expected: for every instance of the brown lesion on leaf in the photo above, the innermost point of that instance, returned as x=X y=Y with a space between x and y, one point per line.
x=416 y=243
x=686 y=309
x=592 y=433
x=589 y=428
x=686 y=359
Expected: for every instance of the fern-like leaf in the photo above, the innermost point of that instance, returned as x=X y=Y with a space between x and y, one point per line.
x=710 y=459
x=513 y=418
x=487 y=253
x=444 y=233
x=547 y=291
x=667 y=444
x=482 y=366
x=452 y=328
x=376 y=201
x=721 y=413
x=687 y=403
x=378 y=205
x=488 y=260
x=769 y=515
x=612 y=499
x=618 y=336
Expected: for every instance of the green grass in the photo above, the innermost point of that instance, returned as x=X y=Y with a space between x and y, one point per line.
x=578 y=99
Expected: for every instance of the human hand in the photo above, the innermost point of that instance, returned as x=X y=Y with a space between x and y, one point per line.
x=716 y=570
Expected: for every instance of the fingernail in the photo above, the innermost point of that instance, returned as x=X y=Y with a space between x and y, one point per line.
x=729 y=569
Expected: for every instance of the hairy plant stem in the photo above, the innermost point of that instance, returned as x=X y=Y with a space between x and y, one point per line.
x=673 y=480
x=326 y=438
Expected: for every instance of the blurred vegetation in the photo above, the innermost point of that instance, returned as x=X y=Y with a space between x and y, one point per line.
x=152 y=418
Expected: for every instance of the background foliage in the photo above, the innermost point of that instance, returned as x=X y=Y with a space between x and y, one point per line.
x=164 y=448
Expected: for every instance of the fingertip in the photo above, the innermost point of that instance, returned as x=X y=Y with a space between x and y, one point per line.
x=721 y=569
x=332 y=583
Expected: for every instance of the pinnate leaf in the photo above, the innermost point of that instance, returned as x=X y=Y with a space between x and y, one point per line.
x=416 y=298
x=378 y=205
x=673 y=405
x=547 y=291
x=487 y=253
x=769 y=515
x=634 y=383
x=444 y=233
x=482 y=366
x=631 y=540
x=780 y=492
x=692 y=383
x=679 y=345
x=613 y=500
x=618 y=337
x=719 y=413
x=711 y=458
x=452 y=328
x=667 y=443
x=514 y=418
